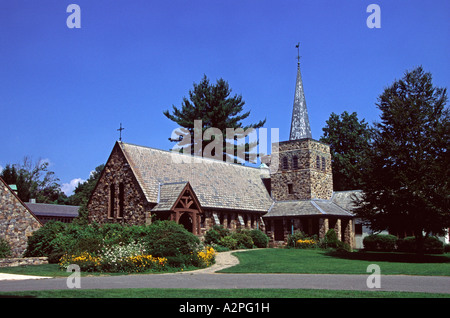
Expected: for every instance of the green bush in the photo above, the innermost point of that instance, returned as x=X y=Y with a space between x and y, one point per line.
x=260 y=239
x=293 y=238
x=431 y=245
x=5 y=249
x=330 y=240
x=214 y=234
x=380 y=242
x=228 y=242
x=212 y=237
x=243 y=239
x=40 y=243
x=171 y=240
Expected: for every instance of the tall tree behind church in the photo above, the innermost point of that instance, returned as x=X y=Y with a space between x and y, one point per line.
x=34 y=181
x=215 y=107
x=349 y=139
x=406 y=183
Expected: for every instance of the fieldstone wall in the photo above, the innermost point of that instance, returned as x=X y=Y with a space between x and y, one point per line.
x=10 y=262
x=304 y=171
x=17 y=223
x=117 y=172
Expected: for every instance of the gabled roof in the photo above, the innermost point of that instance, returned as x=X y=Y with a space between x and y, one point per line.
x=43 y=209
x=168 y=195
x=217 y=184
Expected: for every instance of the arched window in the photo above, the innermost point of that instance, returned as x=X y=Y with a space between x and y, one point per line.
x=295 y=162
x=323 y=163
x=317 y=162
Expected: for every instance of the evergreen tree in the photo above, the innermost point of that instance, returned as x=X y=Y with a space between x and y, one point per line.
x=406 y=182
x=216 y=108
x=349 y=140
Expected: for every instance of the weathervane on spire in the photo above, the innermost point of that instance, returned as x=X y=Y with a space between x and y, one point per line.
x=298 y=52
x=120 y=130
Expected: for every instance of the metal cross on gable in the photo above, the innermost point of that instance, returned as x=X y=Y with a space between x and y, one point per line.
x=120 y=132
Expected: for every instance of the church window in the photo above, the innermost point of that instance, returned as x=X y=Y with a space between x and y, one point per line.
x=295 y=162
x=290 y=188
x=323 y=163
x=284 y=163
x=121 y=200
x=317 y=162
x=112 y=198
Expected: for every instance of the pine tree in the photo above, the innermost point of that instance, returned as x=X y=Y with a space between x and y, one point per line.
x=216 y=108
x=406 y=183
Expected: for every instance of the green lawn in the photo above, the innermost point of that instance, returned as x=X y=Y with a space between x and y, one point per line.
x=314 y=261
x=216 y=293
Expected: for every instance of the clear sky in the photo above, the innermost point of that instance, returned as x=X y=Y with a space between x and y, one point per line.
x=64 y=92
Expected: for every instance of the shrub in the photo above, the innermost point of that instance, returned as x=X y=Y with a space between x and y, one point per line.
x=380 y=242
x=212 y=237
x=293 y=238
x=40 y=243
x=260 y=239
x=330 y=240
x=171 y=240
x=243 y=239
x=431 y=245
x=228 y=242
x=5 y=249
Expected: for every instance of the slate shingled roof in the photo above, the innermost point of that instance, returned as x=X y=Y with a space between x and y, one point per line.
x=42 y=209
x=168 y=194
x=340 y=205
x=217 y=184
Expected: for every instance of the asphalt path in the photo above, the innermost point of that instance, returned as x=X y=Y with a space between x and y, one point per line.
x=209 y=279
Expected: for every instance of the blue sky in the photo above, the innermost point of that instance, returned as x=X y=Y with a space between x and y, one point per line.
x=64 y=92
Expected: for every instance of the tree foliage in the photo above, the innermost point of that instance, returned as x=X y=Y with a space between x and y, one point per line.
x=34 y=181
x=349 y=139
x=406 y=181
x=216 y=108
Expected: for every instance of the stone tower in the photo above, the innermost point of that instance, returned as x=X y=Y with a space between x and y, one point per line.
x=304 y=164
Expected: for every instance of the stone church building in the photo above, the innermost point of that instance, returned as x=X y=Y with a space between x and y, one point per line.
x=141 y=184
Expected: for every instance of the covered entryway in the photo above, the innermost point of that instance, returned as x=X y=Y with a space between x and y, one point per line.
x=186 y=221
x=180 y=202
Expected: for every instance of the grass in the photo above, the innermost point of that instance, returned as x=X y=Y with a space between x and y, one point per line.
x=315 y=261
x=216 y=293
x=302 y=261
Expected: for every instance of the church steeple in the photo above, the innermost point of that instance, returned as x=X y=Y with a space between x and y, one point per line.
x=300 y=127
